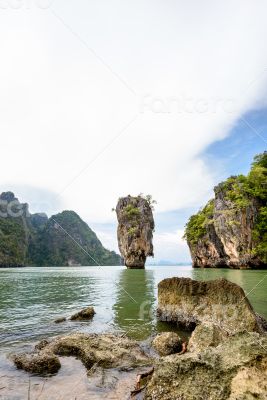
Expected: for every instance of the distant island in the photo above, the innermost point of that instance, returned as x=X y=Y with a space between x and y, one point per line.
x=168 y=263
x=63 y=239
x=231 y=230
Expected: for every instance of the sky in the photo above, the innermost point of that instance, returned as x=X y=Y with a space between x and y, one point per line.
x=105 y=98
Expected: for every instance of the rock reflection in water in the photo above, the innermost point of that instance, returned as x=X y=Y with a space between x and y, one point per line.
x=135 y=305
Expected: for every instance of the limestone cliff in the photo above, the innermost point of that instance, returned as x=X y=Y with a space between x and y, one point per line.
x=135 y=230
x=231 y=230
x=36 y=240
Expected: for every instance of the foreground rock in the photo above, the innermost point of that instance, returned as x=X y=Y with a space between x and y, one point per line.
x=234 y=370
x=167 y=343
x=219 y=302
x=105 y=350
x=83 y=315
x=206 y=335
x=135 y=230
x=40 y=363
x=226 y=355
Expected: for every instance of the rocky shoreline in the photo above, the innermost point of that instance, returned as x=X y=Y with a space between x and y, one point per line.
x=225 y=357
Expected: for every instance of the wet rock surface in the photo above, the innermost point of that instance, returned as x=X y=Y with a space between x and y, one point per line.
x=105 y=350
x=235 y=369
x=226 y=355
x=71 y=382
x=135 y=230
x=83 y=315
x=60 y=320
x=218 y=302
x=206 y=335
x=41 y=363
x=167 y=343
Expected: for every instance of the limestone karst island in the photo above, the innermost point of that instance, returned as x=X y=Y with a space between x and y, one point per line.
x=231 y=230
x=177 y=332
x=135 y=230
x=133 y=200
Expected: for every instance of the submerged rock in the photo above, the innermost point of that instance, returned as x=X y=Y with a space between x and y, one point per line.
x=60 y=319
x=167 y=343
x=42 y=344
x=135 y=230
x=85 y=314
x=218 y=302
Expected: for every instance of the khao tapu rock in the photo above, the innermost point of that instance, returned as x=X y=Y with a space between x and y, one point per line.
x=218 y=302
x=231 y=230
x=135 y=230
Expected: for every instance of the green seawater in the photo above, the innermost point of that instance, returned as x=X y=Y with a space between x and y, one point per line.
x=124 y=300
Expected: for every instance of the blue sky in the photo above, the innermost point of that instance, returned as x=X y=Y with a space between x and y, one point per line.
x=234 y=154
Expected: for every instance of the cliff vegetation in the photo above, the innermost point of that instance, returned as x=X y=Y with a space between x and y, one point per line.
x=36 y=240
x=231 y=230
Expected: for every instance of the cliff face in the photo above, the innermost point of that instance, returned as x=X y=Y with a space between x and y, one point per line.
x=33 y=239
x=135 y=230
x=14 y=231
x=228 y=240
x=67 y=240
x=231 y=231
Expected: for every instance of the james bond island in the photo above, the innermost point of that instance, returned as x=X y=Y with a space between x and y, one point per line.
x=95 y=329
x=231 y=230
x=135 y=230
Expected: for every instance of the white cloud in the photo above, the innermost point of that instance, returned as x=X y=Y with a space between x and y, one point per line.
x=168 y=246
x=171 y=246
x=195 y=67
